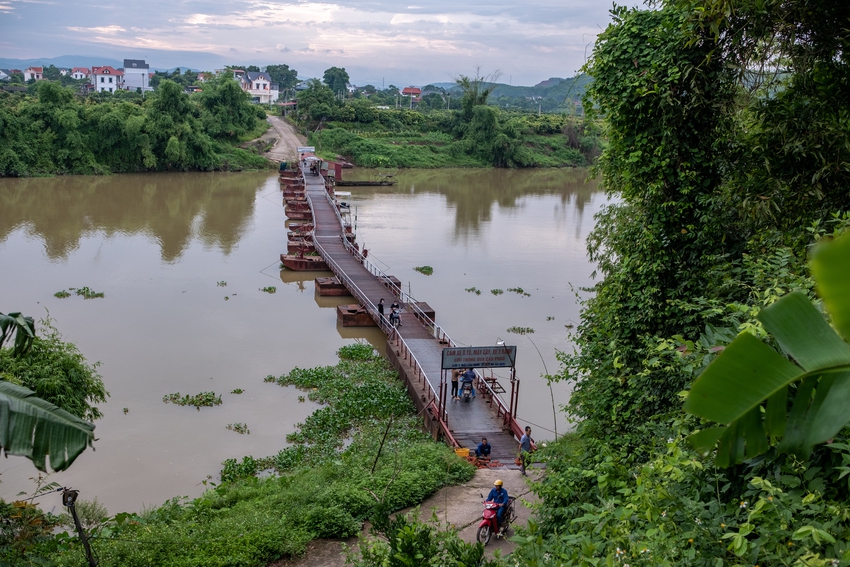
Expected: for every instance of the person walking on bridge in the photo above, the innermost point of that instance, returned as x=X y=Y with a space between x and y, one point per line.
x=525 y=450
x=381 y=309
x=455 y=378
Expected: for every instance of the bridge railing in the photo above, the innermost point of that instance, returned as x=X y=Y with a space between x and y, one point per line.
x=432 y=400
x=502 y=409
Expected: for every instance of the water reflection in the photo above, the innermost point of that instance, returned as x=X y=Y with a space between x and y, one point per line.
x=472 y=193
x=170 y=208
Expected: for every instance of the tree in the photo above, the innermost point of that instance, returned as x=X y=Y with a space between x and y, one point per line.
x=476 y=90
x=337 y=79
x=285 y=77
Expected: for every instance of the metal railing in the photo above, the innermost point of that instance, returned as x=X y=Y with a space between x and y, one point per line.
x=436 y=331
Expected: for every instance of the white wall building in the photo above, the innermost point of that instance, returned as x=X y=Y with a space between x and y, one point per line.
x=136 y=75
x=80 y=73
x=106 y=79
x=35 y=73
x=258 y=85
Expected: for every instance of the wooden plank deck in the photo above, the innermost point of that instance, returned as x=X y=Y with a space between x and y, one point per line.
x=466 y=422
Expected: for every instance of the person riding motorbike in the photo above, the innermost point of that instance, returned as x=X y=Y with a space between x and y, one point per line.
x=467 y=378
x=500 y=496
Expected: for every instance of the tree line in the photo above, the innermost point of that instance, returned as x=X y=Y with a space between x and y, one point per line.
x=55 y=131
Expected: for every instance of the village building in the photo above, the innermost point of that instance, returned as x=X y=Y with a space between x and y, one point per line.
x=136 y=75
x=34 y=73
x=258 y=85
x=106 y=79
x=80 y=73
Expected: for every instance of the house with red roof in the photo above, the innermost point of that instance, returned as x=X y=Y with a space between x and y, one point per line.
x=79 y=73
x=34 y=73
x=106 y=79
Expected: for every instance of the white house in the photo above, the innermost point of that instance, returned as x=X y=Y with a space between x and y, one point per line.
x=36 y=73
x=79 y=73
x=258 y=85
x=136 y=75
x=106 y=79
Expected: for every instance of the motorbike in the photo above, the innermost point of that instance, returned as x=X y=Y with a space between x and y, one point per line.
x=490 y=524
x=466 y=390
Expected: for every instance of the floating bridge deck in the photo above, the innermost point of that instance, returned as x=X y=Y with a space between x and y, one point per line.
x=415 y=348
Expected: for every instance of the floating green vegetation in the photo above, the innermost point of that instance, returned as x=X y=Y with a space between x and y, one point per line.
x=302 y=399
x=496 y=291
x=270 y=378
x=126 y=411
x=86 y=292
x=519 y=291
x=550 y=318
x=427 y=270
x=222 y=283
x=474 y=290
x=241 y=428
x=204 y=399
x=237 y=391
x=227 y=298
x=520 y=330
x=269 y=289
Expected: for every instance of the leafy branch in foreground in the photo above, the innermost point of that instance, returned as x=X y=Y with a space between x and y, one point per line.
x=36 y=429
x=22 y=327
x=747 y=388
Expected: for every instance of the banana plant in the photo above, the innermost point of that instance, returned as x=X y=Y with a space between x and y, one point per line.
x=793 y=399
x=37 y=429
x=22 y=327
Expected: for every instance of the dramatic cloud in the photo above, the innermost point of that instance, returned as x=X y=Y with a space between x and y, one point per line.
x=373 y=40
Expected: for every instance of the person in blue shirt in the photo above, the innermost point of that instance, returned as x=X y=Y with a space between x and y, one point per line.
x=500 y=496
x=483 y=449
x=468 y=377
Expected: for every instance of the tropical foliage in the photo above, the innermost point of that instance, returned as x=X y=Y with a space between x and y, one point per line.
x=55 y=131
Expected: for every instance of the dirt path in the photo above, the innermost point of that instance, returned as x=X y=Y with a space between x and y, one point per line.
x=287 y=140
x=460 y=506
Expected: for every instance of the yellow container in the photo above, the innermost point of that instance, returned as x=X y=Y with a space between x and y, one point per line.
x=462 y=453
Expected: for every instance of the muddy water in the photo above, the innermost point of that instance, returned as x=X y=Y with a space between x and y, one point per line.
x=158 y=246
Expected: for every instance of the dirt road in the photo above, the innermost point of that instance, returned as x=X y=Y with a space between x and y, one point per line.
x=287 y=140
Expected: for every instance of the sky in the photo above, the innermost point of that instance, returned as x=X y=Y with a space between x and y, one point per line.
x=376 y=41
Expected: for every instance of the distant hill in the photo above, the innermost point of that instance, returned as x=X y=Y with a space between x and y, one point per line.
x=552 y=95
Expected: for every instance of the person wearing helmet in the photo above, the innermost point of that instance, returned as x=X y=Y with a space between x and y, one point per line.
x=500 y=496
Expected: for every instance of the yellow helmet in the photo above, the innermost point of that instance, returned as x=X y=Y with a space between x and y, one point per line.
x=498 y=483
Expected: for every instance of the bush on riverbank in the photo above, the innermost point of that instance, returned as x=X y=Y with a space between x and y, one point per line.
x=332 y=478
x=57 y=132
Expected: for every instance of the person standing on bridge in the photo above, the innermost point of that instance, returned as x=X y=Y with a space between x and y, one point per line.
x=455 y=378
x=525 y=450
x=381 y=309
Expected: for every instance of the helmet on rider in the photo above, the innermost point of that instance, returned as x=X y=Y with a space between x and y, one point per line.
x=498 y=483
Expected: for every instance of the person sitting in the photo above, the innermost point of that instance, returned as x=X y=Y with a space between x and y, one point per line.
x=467 y=378
x=483 y=449
x=500 y=496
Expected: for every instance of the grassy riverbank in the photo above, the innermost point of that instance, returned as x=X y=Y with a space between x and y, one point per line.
x=476 y=135
x=360 y=455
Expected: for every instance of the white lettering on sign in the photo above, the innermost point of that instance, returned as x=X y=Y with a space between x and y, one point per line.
x=498 y=356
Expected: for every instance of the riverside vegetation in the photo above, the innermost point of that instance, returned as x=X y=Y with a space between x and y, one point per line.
x=54 y=131
x=359 y=456
x=475 y=135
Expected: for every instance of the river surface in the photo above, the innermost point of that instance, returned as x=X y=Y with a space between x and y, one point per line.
x=159 y=246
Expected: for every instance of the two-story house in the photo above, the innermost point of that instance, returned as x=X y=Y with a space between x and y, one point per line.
x=79 y=73
x=106 y=79
x=34 y=73
x=136 y=73
x=257 y=84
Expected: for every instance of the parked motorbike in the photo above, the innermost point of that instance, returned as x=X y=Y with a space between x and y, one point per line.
x=490 y=524
x=466 y=390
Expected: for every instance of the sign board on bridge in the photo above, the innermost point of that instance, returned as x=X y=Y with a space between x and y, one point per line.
x=499 y=356
x=306 y=149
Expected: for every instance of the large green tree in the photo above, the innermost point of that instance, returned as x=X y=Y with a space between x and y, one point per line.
x=285 y=77
x=337 y=79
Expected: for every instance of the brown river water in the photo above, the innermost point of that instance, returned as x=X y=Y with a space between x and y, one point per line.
x=157 y=245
